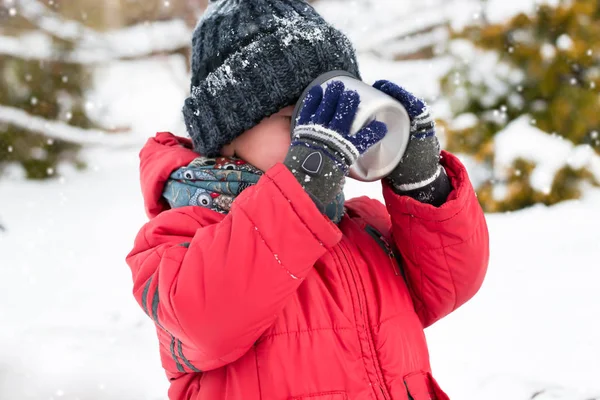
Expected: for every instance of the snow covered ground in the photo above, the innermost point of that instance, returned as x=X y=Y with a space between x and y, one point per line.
x=71 y=329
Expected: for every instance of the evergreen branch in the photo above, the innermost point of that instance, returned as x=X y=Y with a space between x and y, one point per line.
x=61 y=131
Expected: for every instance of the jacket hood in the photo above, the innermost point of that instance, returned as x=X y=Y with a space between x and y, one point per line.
x=160 y=156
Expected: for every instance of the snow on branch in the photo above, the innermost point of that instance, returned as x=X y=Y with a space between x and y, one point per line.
x=30 y=46
x=52 y=23
x=90 y=46
x=146 y=39
x=381 y=35
x=407 y=46
x=550 y=153
x=61 y=131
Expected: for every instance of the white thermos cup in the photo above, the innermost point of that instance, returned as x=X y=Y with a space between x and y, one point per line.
x=382 y=158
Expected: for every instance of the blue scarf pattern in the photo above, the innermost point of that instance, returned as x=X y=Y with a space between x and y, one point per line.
x=214 y=183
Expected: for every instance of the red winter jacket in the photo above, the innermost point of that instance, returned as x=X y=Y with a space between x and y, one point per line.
x=275 y=302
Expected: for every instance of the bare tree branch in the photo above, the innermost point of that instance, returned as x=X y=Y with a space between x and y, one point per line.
x=134 y=42
x=55 y=25
x=90 y=46
x=60 y=131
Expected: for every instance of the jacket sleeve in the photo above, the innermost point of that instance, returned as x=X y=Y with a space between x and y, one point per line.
x=214 y=287
x=445 y=250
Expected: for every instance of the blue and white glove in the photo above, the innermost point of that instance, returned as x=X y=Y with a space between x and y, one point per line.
x=419 y=173
x=322 y=150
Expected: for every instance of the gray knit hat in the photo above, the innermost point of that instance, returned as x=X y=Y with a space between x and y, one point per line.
x=250 y=59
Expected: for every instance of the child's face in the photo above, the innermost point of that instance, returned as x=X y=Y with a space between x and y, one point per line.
x=266 y=144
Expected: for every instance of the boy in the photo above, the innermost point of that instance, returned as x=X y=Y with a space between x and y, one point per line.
x=262 y=281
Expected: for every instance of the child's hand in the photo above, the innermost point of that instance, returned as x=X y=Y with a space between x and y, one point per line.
x=419 y=173
x=328 y=118
x=322 y=150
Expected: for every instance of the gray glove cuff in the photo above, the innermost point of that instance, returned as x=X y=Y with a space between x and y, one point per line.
x=419 y=173
x=434 y=192
x=419 y=164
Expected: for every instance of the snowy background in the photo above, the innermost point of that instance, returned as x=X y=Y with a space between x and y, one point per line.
x=72 y=330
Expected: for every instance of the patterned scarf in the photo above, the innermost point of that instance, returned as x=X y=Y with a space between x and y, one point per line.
x=215 y=183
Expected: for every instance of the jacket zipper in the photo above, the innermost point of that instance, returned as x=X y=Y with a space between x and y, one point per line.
x=385 y=246
x=347 y=256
